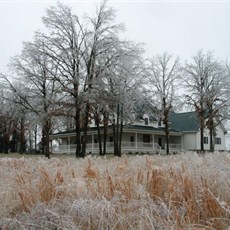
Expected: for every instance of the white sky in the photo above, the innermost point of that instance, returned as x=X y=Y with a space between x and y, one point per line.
x=179 y=27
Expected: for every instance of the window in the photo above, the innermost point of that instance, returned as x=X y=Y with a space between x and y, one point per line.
x=159 y=122
x=146 y=121
x=131 y=138
x=110 y=139
x=146 y=138
x=205 y=140
x=132 y=141
x=218 y=141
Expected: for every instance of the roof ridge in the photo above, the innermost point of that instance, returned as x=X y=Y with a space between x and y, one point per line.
x=183 y=113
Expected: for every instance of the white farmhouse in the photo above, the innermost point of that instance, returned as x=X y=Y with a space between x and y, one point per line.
x=146 y=135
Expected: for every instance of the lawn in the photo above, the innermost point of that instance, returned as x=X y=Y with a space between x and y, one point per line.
x=184 y=191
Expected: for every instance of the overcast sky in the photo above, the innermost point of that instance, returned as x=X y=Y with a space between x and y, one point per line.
x=179 y=27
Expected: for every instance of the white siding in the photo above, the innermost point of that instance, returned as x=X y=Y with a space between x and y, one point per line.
x=189 y=141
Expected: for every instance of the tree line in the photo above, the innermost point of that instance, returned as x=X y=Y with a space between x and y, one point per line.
x=80 y=70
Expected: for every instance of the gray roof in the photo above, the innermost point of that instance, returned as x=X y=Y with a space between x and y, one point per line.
x=184 y=122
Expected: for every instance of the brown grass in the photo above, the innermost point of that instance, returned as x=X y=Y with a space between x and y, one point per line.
x=143 y=192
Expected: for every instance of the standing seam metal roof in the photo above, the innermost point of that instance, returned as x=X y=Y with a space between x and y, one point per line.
x=184 y=121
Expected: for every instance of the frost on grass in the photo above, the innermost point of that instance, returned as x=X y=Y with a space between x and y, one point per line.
x=185 y=191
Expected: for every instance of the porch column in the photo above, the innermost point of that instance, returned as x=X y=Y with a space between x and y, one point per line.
x=68 y=146
x=92 y=142
x=136 y=140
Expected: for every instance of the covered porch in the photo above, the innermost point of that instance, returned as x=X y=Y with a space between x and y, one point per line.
x=132 y=142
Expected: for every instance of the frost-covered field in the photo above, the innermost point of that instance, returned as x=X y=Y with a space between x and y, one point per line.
x=140 y=192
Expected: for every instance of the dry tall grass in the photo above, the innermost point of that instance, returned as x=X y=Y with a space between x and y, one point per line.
x=143 y=192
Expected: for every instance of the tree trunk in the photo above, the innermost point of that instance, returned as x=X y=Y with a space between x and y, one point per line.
x=99 y=140
x=14 y=141
x=78 y=132
x=35 y=138
x=167 y=139
x=202 y=138
x=117 y=131
x=105 y=127
x=85 y=130
x=200 y=112
x=212 y=134
x=210 y=125
x=6 y=143
x=22 y=136
x=166 y=123
x=120 y=131
x=202 y=131
x=1 y=143
x=46 y=139
x=114 y=137
x=211 y=141
x=43 y=140
x=97 y=121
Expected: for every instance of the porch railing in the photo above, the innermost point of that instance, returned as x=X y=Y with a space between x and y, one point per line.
x=125 y=146
x=174 y=147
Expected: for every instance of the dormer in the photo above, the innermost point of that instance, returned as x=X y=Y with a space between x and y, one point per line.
x=149 y=120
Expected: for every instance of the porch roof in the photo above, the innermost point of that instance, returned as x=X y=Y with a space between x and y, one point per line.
x=148 y=128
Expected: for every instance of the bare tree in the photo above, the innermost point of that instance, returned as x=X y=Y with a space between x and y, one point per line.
x=5 y=123
x=164 y=71
x=12 y=123
x=64 y=44
x=102 y=51
x=33 y=89
x=121 y=86
x=82 y=53
x=205 y=82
